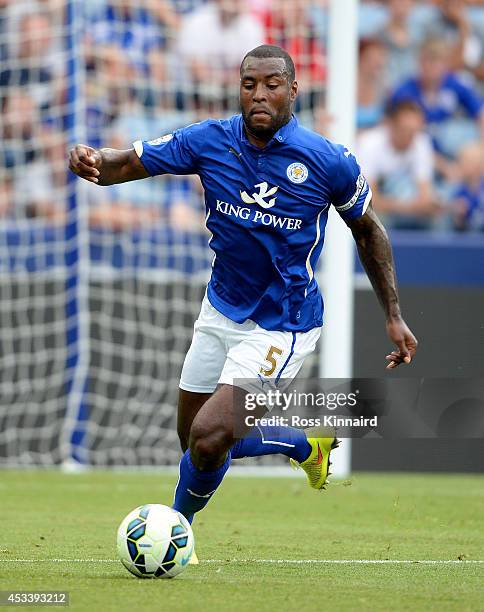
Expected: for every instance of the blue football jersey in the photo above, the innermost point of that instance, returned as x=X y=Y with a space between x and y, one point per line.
x=266 y=210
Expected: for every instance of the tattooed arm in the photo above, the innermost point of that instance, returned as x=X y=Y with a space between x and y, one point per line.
x=376 y=256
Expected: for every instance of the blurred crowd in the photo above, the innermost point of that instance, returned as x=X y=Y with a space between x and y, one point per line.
x=142 y=68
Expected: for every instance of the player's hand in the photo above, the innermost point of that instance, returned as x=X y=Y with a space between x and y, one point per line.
x=85 y=162
x=400 y=334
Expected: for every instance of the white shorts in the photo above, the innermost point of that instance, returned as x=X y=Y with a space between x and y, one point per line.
x=223 y=351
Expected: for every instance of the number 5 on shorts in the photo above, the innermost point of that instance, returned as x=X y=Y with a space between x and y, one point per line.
x=271 y=357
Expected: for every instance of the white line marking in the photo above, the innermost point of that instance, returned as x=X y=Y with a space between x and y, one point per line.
x=264 y=441
x=351 y=561
x=207 y=496
x=281 y=561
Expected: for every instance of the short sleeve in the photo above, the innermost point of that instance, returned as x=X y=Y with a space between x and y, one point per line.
x=351 y=193
x=175 y=153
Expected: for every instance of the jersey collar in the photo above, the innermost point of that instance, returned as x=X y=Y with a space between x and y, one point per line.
x=279 y=137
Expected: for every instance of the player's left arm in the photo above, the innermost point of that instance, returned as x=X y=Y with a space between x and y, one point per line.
x=376 y=256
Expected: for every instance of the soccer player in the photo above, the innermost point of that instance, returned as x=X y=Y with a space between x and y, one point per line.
x=268 y=186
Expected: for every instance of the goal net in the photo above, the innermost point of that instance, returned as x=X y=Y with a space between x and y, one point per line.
x=99 y=286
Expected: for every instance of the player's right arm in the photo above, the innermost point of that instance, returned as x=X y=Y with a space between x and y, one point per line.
x=106 y=166
x=176 y=153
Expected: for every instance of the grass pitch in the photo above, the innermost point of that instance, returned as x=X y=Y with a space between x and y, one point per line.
x=59 y=534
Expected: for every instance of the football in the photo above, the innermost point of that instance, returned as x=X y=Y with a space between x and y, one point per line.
x=155 y=541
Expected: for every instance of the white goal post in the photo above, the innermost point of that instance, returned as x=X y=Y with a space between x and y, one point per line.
x=337 y=277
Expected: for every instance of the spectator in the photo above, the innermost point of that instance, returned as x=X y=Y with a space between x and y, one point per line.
x=30 y=66
x=110 y=90
x=401 y=41
x=454 y=26
x=133 y=29
x=290 y=25
x=13 y=11
x=397 y=160
x=5 y=192
x=371 y=18
x=29 y=175
x=442 y=95
x=3 y=31
x=212 y=39
x=371 y=82
x=20 y=128
x=468 y=196
x=167 y=17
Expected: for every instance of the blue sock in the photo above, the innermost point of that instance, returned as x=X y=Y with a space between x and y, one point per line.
x=272 y=439
x=195 y=487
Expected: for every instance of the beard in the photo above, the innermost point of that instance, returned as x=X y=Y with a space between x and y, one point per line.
x=268 y=131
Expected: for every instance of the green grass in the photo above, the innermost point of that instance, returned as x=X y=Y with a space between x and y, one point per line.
x=50 y=515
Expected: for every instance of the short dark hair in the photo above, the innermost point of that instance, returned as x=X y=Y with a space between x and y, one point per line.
x=272 y=51
x=369 y=43
x=405 y=105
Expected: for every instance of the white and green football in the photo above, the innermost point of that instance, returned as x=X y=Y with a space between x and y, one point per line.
x=155 y=541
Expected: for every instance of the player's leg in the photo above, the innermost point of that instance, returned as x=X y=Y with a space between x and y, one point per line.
x=268 y=357
x=208 y=458
x=201 y=369
x=273 y=440
x=189 y=404
x=279 y=355
x=200 y=374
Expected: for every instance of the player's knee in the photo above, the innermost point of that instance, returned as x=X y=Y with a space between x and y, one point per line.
x=209 y=444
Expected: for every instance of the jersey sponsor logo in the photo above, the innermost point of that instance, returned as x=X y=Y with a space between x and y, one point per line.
x=260 y=198
x=297 y=172
x=160 y=140
x=258 y=216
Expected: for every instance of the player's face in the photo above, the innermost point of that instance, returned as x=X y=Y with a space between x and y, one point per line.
x=266 y=96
